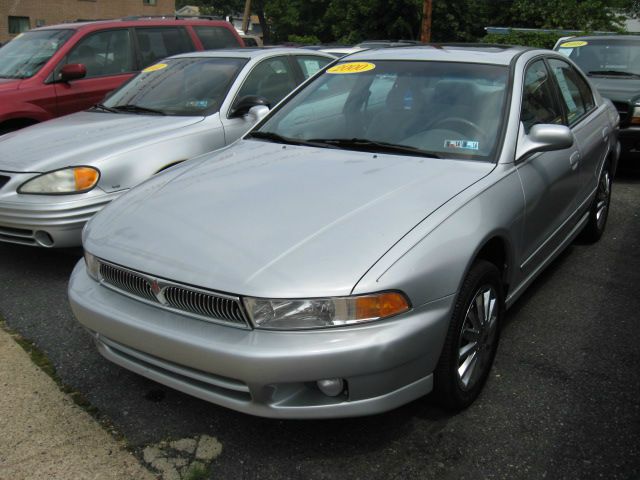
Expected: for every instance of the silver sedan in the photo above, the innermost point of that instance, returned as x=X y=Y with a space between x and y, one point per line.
x=359 y=247
x=54 y=176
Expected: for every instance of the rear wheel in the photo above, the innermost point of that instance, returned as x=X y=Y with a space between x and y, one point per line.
x=599 y=211
x=472 y=339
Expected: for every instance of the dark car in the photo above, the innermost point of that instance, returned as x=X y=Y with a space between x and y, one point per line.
x=52 y=71
x=612 y=63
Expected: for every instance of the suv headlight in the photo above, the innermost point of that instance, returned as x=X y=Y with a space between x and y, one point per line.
x=294 y=314
x=62 y=182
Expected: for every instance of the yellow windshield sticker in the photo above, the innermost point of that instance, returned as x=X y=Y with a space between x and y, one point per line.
x=576 y=44
x=154 y=68
x=352 y=67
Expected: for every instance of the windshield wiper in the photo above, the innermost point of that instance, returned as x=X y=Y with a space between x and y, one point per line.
x=104 y=108
x=132 y=108
x=373 y=146
x=274 y=137
x=614 y=72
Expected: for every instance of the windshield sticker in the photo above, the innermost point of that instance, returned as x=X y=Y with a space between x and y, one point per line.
x=575 y=44
x=156 y=67
x=464 y=144
x=352 y=67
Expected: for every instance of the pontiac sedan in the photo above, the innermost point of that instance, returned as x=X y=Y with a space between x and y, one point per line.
x=54 y=176
x=359 y=247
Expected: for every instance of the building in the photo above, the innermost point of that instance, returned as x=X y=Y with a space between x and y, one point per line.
x=16 y=16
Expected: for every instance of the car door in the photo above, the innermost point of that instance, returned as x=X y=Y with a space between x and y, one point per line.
x=108 y=58
x=589 y=124
x=550 y=180
x=272 y=78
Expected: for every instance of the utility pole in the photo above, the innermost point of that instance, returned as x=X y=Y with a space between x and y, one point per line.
x=247 y=16
x=425 y=30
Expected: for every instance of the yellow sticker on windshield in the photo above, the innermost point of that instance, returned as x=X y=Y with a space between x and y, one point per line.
x=576 y=44
x=153 y=68
x=352 y=67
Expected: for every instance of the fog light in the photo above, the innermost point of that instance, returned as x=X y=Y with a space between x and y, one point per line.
x=331 y=387
x=43 y=238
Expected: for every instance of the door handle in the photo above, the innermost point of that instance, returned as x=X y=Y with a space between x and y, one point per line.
x=574 y=159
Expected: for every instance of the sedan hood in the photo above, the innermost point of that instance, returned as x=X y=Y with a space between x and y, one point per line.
x=617 y=89
x=269 y=220
x=80 y=138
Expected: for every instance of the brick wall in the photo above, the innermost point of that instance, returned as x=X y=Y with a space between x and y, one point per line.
x=51 y=12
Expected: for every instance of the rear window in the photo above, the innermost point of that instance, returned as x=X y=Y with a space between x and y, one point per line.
x=216 y=37
x=156 y=43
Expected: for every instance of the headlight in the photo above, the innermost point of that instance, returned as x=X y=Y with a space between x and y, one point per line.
x=293 y=314
x=93 y=265
x=635 y=115
x=64 y=181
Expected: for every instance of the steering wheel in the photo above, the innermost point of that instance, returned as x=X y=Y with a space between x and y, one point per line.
x=464 y=123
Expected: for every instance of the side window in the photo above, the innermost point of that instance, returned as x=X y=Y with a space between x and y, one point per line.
x=575 y=92
x=156 y=43
x=271 y=79
x=538 y=103
x=216 y=37
x=310 y=65
x=104 y=53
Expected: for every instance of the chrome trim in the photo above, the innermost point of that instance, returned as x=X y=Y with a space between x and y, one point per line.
x=206 y=305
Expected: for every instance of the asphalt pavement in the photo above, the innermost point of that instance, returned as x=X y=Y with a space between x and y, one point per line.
x=563 y=399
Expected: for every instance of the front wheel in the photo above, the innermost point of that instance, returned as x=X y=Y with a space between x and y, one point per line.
x=599 y=211
x=472 y=339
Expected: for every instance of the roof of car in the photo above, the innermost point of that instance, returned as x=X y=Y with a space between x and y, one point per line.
x=472 y=53
x=132 y=22
x=251 y=53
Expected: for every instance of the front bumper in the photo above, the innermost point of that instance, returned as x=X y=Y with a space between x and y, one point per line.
x=272 y=374
x=49 y=221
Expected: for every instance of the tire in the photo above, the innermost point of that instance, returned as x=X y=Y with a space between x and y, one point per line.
x=472 y=338
x=599 y=210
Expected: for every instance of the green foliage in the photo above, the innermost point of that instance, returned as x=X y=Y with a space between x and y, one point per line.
x=304 y=39
x=527 y=39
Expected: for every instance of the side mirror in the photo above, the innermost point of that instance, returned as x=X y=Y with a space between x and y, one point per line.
x=245 y=104
x=543 y=138
x=258 y=112
x=73 y=71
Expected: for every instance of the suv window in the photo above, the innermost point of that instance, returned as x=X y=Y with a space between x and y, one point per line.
x=538 y=103
x=216 y=37
x=574 y=92
x=271 y=79
x=156 y=43
x=104 y=53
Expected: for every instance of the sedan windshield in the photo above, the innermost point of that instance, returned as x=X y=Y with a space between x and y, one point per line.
x=605 y=57
x=429 y=109
x=26 y=54
x=180 y=86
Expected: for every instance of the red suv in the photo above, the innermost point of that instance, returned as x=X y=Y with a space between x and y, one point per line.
x=61 y=69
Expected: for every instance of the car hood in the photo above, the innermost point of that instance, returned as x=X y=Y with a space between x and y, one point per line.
x=617 y=89
x=80 y=138
x=267 y=220
x=7 y=84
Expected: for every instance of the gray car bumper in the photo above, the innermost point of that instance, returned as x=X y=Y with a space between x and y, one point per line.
x=271 y=374
x=52 y=221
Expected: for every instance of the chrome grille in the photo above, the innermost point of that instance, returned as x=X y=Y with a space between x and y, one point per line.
x=126 y=280
x=202 y=304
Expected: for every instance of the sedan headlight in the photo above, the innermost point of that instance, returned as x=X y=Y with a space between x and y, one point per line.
x=93 y=265
x=293 y=314
x=62 y=182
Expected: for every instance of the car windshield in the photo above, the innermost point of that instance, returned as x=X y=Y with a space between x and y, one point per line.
x=433 y=109
x=26 y=54
x=612 y=57
x=179 y=86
